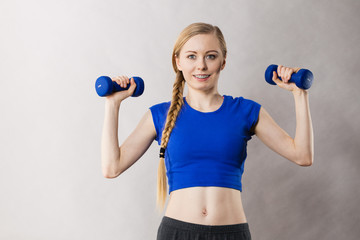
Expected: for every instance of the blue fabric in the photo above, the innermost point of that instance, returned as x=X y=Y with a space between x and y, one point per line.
x=207 y=149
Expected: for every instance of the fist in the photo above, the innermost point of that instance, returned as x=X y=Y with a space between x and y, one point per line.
x=123 y=81
x=285 y=74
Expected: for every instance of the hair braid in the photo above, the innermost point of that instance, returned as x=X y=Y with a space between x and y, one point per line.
x=174 y=109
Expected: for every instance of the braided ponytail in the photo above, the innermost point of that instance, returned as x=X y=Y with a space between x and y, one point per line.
x=176 y=104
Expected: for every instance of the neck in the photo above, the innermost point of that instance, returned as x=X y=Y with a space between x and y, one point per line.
x=204 y=101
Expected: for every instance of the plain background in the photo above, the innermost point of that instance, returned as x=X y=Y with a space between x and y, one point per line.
x=51 y=53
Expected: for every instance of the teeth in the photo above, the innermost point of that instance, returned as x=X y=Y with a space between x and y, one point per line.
x=202 y=76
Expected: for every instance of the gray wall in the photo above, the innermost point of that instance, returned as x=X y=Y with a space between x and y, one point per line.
x=51 y=53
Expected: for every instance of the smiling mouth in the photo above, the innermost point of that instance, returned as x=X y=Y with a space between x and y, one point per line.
x=202 y=76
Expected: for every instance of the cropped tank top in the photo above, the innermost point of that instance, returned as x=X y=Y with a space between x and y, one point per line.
x=207 y=148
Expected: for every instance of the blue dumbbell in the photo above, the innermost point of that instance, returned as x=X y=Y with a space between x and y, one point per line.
x=303 y=78
x=105 y=86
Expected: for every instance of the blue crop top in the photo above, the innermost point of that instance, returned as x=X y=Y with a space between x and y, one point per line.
x=207 y=148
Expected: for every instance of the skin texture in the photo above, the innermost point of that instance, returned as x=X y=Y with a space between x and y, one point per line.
x=201 y=54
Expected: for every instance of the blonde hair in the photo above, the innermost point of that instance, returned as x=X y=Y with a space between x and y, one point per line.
x=177 y=98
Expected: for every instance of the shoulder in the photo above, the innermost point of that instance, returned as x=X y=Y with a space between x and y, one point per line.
x=242 y=102
x=160 y=107
x=247 y=110
x=159 y=111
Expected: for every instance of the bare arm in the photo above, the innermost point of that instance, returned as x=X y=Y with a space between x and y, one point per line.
x=299 y=149
x=115 y=159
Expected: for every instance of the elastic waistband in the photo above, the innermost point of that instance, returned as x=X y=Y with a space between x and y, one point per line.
x=171 y=222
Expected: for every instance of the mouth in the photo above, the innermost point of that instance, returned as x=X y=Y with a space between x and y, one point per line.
x=202 y=77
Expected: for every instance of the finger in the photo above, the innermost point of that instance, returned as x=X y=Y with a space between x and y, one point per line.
x=124 y=80
x=120 y=81
x=279 y=71
x=132 y=82
x=275 y=76
x=285 y=79
x=278 y=82
x=132 y=86
x=289 y=72
x=285 y=75
x=117 y=80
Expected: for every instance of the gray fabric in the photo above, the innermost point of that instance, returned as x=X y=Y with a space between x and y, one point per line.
x=173 y=229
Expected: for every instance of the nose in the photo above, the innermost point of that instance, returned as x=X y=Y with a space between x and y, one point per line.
x=201 y=64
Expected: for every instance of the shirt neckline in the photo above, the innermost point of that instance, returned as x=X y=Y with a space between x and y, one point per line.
x=217 y=110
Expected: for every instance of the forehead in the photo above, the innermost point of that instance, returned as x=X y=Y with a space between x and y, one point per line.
x=202 y=43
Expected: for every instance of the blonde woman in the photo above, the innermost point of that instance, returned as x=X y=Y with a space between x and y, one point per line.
x=203 y=138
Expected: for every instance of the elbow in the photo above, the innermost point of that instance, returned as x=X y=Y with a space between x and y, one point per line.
x=109 y=175
x=305 y=161
x=110 y=172
x=110 y=167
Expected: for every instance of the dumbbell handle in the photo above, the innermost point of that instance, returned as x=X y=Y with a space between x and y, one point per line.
x=104 y=86
x=303 y=78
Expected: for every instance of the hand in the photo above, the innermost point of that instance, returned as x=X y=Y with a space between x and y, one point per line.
x=123 y=81
x=285 y=74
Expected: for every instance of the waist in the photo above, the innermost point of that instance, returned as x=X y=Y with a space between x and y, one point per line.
x=206 y=206
x=186 y=226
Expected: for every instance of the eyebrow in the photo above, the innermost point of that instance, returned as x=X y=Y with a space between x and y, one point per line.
x=206 y=51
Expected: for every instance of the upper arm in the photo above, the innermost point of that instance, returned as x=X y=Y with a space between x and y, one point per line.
x=137 y=142
x=273 y=136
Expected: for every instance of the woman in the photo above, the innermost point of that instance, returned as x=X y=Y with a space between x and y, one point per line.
x=203 y=140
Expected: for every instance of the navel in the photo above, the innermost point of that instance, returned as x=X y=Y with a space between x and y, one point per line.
x=204 y=212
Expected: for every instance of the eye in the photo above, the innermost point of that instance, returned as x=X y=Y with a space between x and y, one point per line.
x=192 y=56
x=211 y=56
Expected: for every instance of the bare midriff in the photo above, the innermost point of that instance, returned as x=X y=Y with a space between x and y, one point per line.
x=206 y=206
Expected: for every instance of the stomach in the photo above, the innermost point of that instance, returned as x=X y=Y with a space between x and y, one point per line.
x=206 y=206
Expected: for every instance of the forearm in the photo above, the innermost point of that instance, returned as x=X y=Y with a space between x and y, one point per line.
x=110 y=152
x=303 y=141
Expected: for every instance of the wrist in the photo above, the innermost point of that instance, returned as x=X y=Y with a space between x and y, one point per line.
x=112 y=104
x=298 y=92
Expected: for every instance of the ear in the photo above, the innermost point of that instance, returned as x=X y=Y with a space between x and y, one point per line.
x=223 y=64
x=178 y=63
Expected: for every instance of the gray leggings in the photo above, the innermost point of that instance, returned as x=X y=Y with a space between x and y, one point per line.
x=173 y=229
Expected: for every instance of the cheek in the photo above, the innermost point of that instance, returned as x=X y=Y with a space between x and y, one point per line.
x=187 y=67
x=216 y=66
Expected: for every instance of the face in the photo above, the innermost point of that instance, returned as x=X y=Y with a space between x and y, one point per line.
x=201 y=61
